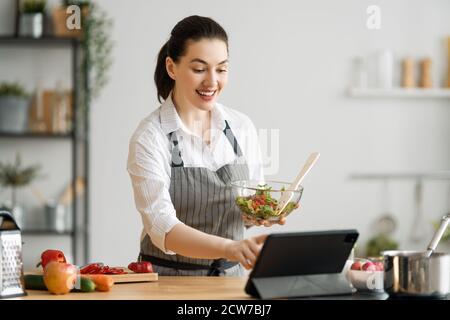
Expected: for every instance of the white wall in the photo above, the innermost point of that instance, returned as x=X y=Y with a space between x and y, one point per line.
x=290 y=66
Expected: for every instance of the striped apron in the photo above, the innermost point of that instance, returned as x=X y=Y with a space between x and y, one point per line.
x=204 y=200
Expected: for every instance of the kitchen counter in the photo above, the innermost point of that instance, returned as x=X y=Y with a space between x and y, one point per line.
x=179 y=288
x=166 y=288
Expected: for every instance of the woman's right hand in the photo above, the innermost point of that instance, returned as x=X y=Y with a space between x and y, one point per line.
x=245 y=251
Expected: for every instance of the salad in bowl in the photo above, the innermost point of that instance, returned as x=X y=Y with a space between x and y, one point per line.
x=260 y=200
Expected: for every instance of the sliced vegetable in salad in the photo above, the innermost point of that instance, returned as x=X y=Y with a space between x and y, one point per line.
x=262 y=205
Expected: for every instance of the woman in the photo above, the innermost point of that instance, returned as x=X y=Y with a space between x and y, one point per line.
x=183 y=156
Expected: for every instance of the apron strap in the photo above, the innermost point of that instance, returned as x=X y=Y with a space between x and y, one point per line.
x=219 y=266
x=177 y=161
x=232 y=139
x=216 y=269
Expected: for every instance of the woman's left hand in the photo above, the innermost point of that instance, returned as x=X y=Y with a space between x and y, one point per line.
x=266 y=223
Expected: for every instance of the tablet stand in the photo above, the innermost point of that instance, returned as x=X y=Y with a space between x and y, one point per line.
x=302 y=286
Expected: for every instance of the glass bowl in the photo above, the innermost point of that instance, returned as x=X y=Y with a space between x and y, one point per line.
x=259 y=200
x=366 y=274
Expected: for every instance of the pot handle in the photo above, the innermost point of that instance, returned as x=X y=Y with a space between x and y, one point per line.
x=438 y=235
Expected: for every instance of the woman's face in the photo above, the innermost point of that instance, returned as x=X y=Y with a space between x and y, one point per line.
x=201 y=74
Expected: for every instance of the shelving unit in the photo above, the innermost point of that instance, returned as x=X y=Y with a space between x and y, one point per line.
x=432 y=175
x=435 y=93
x=78 y=138
x=44 y=232
x=36 y=135
x=38 y=41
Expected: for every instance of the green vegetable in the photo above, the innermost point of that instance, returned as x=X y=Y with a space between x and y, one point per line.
x=261 y=205
x=86 y=285
x=36 y=282
x=263 y=189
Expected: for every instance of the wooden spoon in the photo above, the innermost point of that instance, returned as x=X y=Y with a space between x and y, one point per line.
x=287 y=196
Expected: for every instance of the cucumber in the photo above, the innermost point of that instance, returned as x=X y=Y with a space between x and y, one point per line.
x=86 y=285
x=34 y=282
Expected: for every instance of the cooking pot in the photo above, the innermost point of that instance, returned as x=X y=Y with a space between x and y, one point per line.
x=416 y=274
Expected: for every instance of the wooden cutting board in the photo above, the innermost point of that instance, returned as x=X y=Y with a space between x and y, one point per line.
x=128 y=277
x=134 y=277
x=131 y=276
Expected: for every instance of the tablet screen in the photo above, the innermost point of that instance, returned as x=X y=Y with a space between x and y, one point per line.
x=304 y=253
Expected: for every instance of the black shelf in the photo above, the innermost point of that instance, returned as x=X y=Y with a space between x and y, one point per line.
x=43 y=232
x=46 y=40
x=36 y=135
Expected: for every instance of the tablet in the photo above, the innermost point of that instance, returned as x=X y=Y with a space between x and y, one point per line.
x=303 y=253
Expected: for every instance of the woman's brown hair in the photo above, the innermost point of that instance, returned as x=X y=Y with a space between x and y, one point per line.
x=190 y=28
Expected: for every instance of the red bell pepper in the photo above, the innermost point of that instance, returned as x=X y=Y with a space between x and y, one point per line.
x=51 y=255
x=141 y=267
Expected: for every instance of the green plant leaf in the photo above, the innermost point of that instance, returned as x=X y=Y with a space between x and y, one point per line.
x=380 y=243
x=12 y=89
x=33 y=6
x=14 y=175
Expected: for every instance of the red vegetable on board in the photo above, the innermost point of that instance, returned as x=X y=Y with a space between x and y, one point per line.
x=141 y=267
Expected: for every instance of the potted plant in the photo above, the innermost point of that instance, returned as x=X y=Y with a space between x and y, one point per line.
x=14 y=176
x=31 y=19
x=14 y=104
x=379 y=243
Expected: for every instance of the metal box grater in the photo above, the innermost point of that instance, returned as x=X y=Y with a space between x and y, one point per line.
x=11 y=266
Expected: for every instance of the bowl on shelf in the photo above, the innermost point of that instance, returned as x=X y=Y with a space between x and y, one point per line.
x=366 y=274
x=259 y=200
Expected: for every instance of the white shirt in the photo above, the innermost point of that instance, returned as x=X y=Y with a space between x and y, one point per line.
x=149 y=160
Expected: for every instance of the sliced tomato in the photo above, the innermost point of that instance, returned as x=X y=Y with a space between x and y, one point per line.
x=91 y=268
x=116 y=271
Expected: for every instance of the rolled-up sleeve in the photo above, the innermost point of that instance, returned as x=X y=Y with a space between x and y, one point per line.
x=151 y=181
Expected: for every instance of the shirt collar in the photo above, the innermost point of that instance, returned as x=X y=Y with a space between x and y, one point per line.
x=171 y=121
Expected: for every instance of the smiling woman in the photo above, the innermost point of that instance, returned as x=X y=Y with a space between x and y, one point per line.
x=207 y=42
x=200 y=75
x=201 y=67
x=192 y=225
